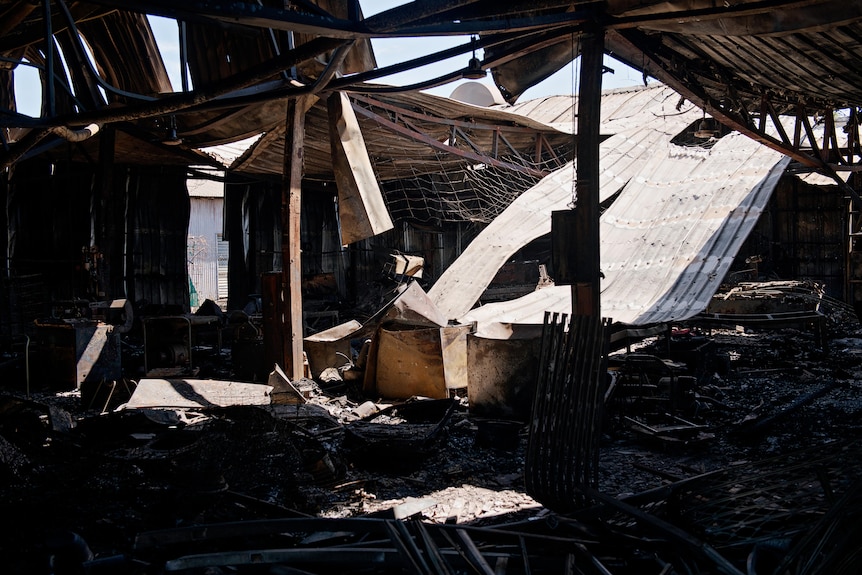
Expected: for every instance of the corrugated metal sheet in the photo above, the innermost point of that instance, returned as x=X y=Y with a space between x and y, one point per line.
x=669 y=239
x=641 y=121
x=226 y=154
x=205 y=229
x=672 y=236
x=199 y=188
x=393 y=155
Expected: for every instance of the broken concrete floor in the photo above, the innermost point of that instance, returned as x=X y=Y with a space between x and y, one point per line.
x=81 y=487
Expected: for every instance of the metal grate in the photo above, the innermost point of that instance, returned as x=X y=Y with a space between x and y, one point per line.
x=562 y=453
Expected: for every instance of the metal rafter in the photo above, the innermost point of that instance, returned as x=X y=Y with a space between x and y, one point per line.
x=733 y=112
x=174 y=103
x=458 y=128
x=398 y=21
x=408 y=130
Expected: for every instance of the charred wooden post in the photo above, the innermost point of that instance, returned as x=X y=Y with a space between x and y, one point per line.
x=291 y=274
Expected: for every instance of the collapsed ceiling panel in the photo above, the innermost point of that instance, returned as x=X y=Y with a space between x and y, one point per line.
x=410 y=134
x=669 y=239
x=639 y=121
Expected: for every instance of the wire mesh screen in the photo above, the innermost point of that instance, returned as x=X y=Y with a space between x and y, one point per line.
x=436 y=168
x=472 y=194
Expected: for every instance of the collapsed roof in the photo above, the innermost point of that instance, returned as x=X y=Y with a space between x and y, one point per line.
x=744 y=62
x=747 y=64
x=667 y=241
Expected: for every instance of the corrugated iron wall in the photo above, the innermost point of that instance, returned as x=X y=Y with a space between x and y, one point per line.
x=50 y=232
x=157 y=230
x=801 y=236
x=205 y=229
x=49 y=225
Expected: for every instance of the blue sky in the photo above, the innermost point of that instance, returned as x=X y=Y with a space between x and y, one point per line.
x=387 y=51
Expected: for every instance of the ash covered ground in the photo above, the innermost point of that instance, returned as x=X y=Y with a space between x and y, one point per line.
x=103 y=478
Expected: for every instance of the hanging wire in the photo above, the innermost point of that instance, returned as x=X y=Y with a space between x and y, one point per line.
x=575 y=68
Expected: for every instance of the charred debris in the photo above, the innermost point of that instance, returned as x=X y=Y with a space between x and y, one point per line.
x=728 y=444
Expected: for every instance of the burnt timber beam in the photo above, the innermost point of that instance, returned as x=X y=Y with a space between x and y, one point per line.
x=291 y=266
x=50 y=99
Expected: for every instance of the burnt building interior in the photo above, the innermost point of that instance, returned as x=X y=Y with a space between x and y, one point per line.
x=608 y=331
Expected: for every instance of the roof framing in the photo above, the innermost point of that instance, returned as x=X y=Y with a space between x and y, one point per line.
x=752 y=64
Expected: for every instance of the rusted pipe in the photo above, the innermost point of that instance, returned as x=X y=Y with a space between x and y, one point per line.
x=35 y=136
x=79 y=135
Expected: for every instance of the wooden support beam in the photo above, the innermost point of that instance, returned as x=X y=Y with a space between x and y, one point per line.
x=50 y=102
x=291 y=264
x=587 y=286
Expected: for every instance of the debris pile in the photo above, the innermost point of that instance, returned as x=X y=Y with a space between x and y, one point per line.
x=719 y=451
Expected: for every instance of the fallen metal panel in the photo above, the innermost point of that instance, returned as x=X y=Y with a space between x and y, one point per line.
x=323 y=348
x=412 y=306
x=672 y=239
x=361 y=208
x=514 y=77
x=669 y=239
x=423 y=362
x=645 y=119
x=197 y=393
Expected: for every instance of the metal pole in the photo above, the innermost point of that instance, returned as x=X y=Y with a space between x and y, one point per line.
x=586 y=287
